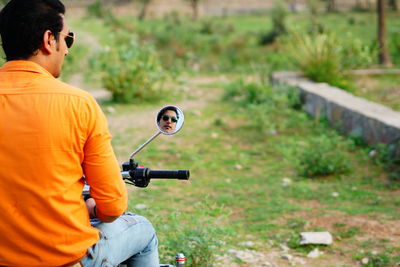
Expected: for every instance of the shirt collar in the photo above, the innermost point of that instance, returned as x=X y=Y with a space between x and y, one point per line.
x=24 y=65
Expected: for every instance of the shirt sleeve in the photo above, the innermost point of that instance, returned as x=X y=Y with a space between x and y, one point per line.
x=100 y=165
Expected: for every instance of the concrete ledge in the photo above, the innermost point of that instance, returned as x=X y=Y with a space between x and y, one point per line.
x=354 y=116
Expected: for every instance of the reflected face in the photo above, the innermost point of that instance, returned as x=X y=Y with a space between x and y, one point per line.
x=168 y=121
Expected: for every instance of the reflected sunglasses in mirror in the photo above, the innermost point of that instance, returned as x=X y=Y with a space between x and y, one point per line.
x=166 y=118
x=69 y=39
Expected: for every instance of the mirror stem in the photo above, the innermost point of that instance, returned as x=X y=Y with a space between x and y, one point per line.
x=145 y=144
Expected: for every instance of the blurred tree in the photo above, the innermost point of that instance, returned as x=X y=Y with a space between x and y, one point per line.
x=314 y=8
x=393 y=5
x=143 y=8
x=293 y=5
x=383 y=52
x=195 y=7
x=331 y=5
x=278 y=15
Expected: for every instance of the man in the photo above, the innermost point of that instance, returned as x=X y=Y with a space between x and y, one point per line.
x=52 y=135
x=167 y=119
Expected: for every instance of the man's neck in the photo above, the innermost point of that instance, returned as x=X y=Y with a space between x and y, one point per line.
x=41 y=60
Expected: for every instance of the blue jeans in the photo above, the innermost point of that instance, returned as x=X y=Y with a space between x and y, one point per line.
x=130 y=239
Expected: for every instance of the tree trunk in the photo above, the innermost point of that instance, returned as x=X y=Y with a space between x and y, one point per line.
x=143 y=11
x=393 y=5
x=384 y=58
x=195 y=7
x=331 y=6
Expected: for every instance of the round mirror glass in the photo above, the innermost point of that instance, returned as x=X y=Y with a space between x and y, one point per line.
x=170 y=120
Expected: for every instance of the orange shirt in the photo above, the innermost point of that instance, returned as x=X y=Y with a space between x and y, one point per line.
x=51 y=134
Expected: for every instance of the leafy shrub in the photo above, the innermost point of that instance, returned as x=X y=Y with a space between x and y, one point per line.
x=261 y=102
x=278 y=15
x=248 y=93
x=97 y=10
x=317 y=56
x=354 y=54
x=378 y=260
x=388 y=156
x=132 y=72
x=200 y=243
x=323 y=58
x=322 y=157
x=196 y=245
x=394 y=46
x=73 y=62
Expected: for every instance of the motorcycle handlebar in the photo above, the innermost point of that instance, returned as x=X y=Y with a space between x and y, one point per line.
x=159 y=174
x=156 y=174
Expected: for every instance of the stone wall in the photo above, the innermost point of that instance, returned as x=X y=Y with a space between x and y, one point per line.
x=353 y=116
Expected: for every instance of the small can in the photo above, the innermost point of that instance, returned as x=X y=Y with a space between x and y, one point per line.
x=180 y=260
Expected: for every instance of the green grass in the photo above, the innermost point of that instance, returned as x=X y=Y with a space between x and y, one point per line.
x=382 y=89
x=236 y=188
x=238 y=151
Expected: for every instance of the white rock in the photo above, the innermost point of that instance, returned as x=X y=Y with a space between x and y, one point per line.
x=335 y=194
x=365 y=261
x=140 y=206
x=214 y=135
x=322 y=238
x=372 y=153
x=286 y=182
x=315 y=253
x=247 y=244
x=110 y=109
x=238 y=167
x=273 y=132
x=284 y=247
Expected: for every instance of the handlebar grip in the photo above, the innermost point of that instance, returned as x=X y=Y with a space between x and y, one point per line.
x=180 y=175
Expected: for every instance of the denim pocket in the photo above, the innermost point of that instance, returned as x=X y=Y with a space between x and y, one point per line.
x=117 y=227
x=129 y=218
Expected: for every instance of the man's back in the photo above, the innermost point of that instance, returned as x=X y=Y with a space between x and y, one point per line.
x=51 y=134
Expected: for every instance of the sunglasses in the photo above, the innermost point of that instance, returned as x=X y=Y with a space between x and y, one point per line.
x=166 y=118
x=69 y=39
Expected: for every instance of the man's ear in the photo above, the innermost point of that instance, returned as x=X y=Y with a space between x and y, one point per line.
x=49 y=42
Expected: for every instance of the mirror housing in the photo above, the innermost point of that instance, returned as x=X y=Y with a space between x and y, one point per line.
x=170 y=120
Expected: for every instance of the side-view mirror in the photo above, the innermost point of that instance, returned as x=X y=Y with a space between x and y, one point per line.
x=170 y=120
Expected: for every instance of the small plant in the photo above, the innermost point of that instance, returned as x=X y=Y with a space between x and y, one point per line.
x=348 y=232
x=318 y=57
x=395 y=46
x=322 y=157
x=323 y=58
x=132 y=72
x=388 y=156
x=377 y=260
x=248 y=93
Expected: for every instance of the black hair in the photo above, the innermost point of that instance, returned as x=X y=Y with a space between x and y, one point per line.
x=162 y=111
x=23 y=23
